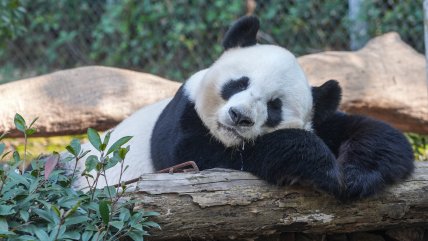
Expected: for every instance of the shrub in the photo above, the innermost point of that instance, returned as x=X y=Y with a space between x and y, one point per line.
x=42 y=204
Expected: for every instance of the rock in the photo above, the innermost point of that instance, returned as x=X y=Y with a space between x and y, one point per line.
x=70 y=101
x=386 y=79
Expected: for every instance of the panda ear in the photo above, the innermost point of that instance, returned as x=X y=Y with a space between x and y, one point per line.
x=242 y=33
x=326 y=99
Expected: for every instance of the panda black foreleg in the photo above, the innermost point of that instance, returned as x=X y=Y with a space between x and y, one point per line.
x=294 y=155
x=371 y=153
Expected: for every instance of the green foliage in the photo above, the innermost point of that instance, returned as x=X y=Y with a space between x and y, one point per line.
x=11 y=20
x=404 y=17
x=41 y=203
x=420 y=146
x=175 y=38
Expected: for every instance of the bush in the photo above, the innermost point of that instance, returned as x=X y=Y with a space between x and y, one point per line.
x=41 y=203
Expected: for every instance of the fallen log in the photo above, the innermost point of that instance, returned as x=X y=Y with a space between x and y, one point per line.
x=228 y=204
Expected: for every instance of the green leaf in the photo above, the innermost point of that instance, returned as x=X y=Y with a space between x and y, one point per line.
x=107 y=138
x=2 y=147
x=71 y=150
x=41 y=234
x=94 y=138
x=19 y=123
x=75 y=235
x=3 y=135
x=123 y=151
x=18 y=178
x=6 y=210
x=72 y=210
x=4 y=226
x=76 y=220
x=104 y=211
x=32 y=123
x=43 y=214
x=4 y=155
x=56 y=211
x=91 y=163
x=84 y=153
x=124 y=215
x=118 y=144
x=16 y=157
x=24 y=215
x=30 y=131
x=136 y=235
x=75 y=144
x=117 y=224
x=86 y=235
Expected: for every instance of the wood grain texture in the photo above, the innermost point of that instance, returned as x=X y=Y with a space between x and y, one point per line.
x=224 y=204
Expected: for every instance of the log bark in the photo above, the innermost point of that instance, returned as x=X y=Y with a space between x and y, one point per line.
x=227 y=204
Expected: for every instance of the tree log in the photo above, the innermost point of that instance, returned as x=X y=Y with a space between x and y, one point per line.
x=225 y=204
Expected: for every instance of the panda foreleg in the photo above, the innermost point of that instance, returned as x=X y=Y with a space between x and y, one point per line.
x=372 y=154
x=295 y=155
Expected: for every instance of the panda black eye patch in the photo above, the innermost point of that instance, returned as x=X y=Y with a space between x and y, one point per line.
x=274 y=112
x=234 y=86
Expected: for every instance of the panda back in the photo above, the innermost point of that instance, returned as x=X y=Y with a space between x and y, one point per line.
x=140 y=126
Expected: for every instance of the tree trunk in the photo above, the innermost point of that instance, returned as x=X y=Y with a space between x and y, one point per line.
x=225 y=204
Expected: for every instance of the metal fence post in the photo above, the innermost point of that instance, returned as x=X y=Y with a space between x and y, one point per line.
x=358 y=26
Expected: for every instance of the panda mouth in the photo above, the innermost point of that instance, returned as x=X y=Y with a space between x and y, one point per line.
x=230 y=130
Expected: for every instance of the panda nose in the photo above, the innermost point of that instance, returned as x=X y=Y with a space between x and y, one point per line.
x=239 y=118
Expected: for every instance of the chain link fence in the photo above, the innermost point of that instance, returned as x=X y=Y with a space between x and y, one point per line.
x=174 y=38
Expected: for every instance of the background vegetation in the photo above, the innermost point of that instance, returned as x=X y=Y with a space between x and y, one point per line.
x=174 y=38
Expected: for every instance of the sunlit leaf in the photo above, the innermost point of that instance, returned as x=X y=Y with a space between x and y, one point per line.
x=118 y=144
x=94 y=138
x=19 y=122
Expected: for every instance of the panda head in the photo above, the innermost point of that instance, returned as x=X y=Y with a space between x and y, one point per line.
x=252 y=89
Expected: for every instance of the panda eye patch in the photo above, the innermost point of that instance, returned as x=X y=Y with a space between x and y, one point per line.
x=234 y=86
x=274 y=112
x=275 y=104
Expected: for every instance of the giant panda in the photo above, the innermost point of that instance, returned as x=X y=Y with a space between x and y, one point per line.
x=253 y=110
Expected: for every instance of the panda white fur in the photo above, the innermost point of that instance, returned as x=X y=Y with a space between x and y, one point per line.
x=254 y=110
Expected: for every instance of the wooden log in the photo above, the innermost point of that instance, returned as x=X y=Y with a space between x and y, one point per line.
x=226 y=204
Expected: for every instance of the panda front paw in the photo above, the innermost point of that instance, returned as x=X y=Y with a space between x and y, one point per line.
x=295 y=156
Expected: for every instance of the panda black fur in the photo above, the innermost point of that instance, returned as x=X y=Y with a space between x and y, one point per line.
x=253 y=110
